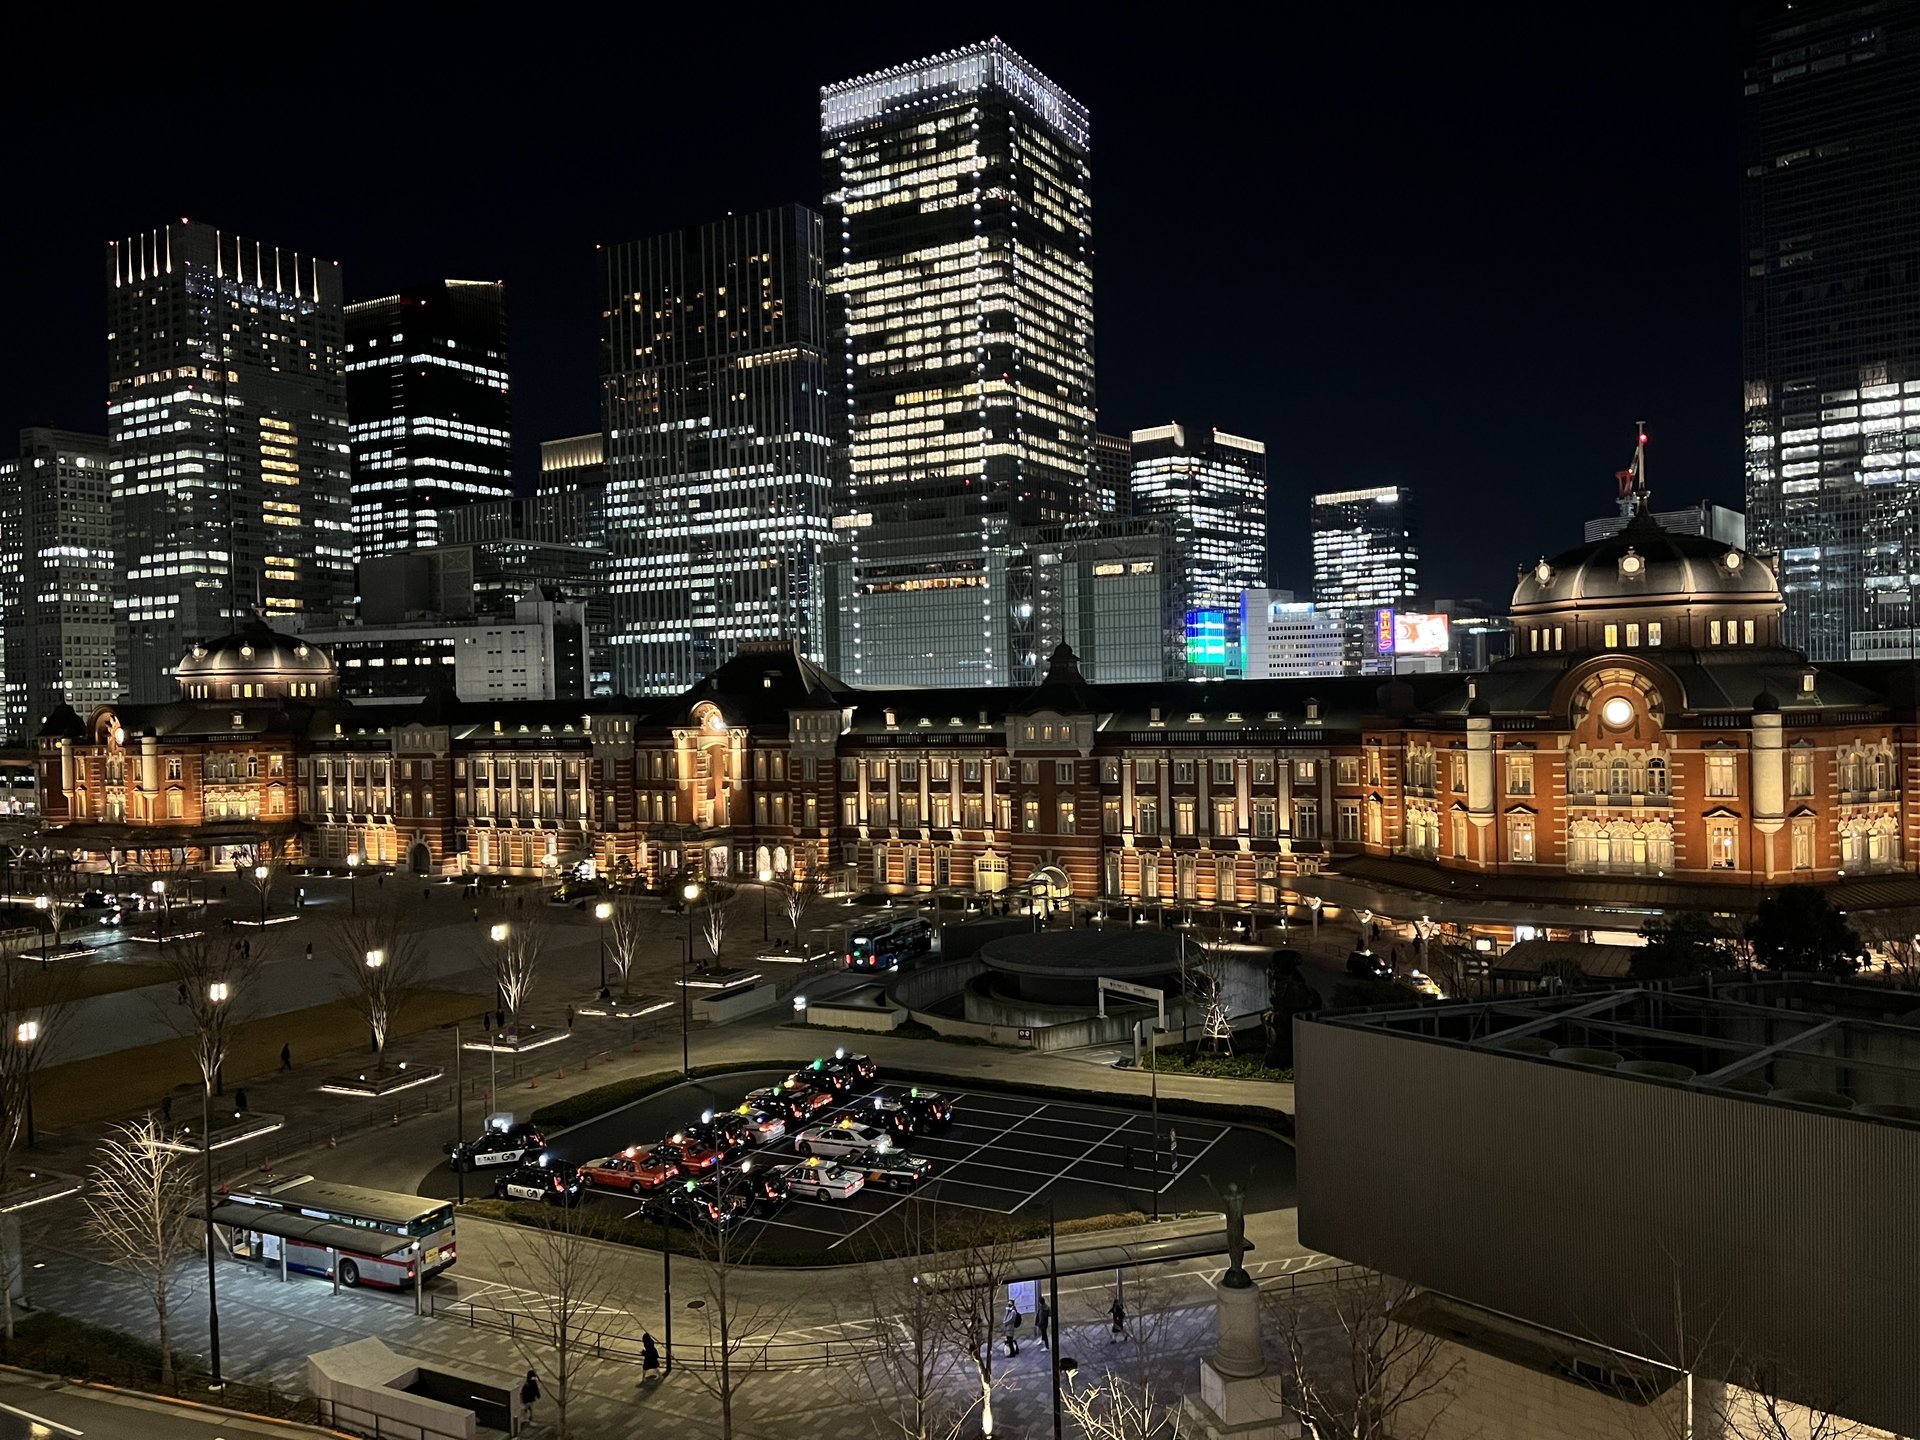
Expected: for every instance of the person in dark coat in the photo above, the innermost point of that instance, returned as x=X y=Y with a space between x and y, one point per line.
x=649 y=1354
x=529 y=1392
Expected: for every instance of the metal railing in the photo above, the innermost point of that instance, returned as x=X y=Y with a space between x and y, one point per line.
x=622 y=1347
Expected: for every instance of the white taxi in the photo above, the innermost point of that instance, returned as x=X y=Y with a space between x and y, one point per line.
x=818 y=1179
x=843 y=1137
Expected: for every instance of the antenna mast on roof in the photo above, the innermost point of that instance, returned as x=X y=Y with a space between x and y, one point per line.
x=1635 y=499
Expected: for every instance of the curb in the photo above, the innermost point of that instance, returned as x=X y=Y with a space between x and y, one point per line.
x=140 y=1399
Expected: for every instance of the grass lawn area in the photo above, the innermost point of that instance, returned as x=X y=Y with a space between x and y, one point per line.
x=108 y=1085
x=79 y=979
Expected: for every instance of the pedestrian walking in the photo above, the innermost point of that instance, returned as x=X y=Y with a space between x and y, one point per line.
x=649 y=1355
x=1118 y=1314
x=476 y=913
x=183 y=992
x=239 y=1102
x=1173 y=1144
x=1010 y=1326
x=286 y=1051
x=166 y=1108
x=1126 y=1158
x=309 y=949
x=1041 y=1316
x=529 y=1392
x=569 y=1019
x=426 y=893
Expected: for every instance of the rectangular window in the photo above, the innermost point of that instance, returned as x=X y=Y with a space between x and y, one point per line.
x=1030 y=816
x=1226 y=820
x=1029 y=772
x=1109 y=817
x=1520 y=838
x=1519 y=774
x=970 y=772
x=1457 y=768
x=1109 y=772
x=1064 y=818
x=173 y=767
x=1713 y=632
x=1063 y=772
x=1347 y=817
x=1633 y=634
x=940 y=772
x=1306 y=820
x=849 y=770
x=1347 y=770
x=879 y=865
x=972 y=812
x=1459 y=829
x=849 y=809
x=1803 y=844
x=910 y=772
x=1264 y=812
x=1800 y=772
x=1183 y=772
x=1373 y=764
x=1223 y=772
x=910 y=811
x=1146 y=817
x=1183 y=816
x=1746 y=632
x=1653 y=632
x=1722 y=845
x=1612 y=637
x=1263 y=772
x=1143 y=772
x=942 y=804
x=1003 y=812
x=1306 y=772
x=1721 y=775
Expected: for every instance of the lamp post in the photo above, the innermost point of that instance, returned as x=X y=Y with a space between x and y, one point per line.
x=691 y=892
x=353 y=883
x=1314 y=902
x=1423 y=927
x=27 y=1033
x=375 y=959
x=499 y=934
x=1366 y=919
x=603 y=912
x=45 y=907
x=1153 y=1070
x=159 y=889
x=766 y=880
x=217 y=994
x=260 y=873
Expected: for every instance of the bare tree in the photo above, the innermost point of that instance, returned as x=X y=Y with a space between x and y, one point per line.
x=382 y=962
x=628 y=929
x=717 y=917
x=1206 y=982
x=1121 y=1400
x=513 y=959
x=1892 y=937
x=567 y=1303
x=738 y=1331
x=249 y=864
x=1752 y=1409
x=1358 y=1370
x=799 y=893
x=907 y=1365
x=58 y=897
x=137 y=1211
x=965 y=1293
x=214 y=980
x=32 y=1004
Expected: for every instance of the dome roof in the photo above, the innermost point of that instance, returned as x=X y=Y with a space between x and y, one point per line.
x=1646 y=562
x=255 y=652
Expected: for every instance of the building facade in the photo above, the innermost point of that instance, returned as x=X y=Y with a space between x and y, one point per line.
x=1703 y=517
x=1287 y=639
x=1112 y=474
x=58 y=579
x=719 y=486
x=227 y=440
x=1212 y=488
x=535 y=649
x=431 y=406
x=1830 y=220
x=1651 y=738
x=1366 y=558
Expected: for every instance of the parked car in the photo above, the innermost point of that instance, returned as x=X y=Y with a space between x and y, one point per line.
x=553 y=1181
x=504 y=1141
x=634 y=1170
x=843 y=1137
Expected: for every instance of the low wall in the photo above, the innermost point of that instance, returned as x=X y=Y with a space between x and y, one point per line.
x=732 y=1004
x=361 y=1386
x=879 y=1017
x=921 y=985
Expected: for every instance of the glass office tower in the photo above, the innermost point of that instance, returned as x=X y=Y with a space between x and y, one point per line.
x=227 y=441
x=959 y=231
x=716 y=401
x=431 y=408
x=1830 y=212
x=1365 y=559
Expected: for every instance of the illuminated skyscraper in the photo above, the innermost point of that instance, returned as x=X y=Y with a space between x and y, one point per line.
x=1212 y=487
x=718 y=486
x=959 y=227
x=57 y=580
x=427 y=392
x=1365 y=559
x=1830 y=210
x=227 y=441
x=1112 y=474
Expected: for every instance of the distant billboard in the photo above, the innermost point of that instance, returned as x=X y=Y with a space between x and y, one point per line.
x=1407 y=632
x=1206 y=637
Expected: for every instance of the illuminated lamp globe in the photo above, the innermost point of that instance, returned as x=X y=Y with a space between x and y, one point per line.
x=1617 y=712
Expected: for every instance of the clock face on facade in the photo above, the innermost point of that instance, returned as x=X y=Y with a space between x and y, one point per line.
x=1631 y=564
x=1543 y=573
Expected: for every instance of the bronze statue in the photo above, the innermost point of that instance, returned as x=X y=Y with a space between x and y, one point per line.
x=1233 y=1199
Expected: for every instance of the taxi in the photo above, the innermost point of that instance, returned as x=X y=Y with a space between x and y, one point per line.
x=843 y=1137
x=822 y=1180
x=633 y=1170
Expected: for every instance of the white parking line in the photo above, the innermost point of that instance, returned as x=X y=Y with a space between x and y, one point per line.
x=1061 y=1174
x=34 y=1419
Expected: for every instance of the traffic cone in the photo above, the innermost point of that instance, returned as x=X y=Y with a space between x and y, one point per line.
x=533 y=1082
x=561 y=1073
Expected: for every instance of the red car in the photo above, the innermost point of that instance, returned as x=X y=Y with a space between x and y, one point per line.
x=633 y=1170
x=688 y=1152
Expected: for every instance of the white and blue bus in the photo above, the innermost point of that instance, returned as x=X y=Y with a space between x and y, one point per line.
x=408 y=1238
x=884 y=944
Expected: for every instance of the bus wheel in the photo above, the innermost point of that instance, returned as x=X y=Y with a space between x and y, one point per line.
x=349 y=1274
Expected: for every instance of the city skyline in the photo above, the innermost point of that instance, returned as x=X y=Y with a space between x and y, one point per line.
x=1438 y=432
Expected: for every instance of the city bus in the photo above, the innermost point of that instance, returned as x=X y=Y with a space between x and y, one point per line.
x=392 y=1217
x=882 y=946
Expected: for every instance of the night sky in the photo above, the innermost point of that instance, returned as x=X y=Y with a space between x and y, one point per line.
x=1460 y=247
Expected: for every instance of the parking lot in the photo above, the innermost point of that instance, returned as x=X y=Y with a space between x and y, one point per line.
x=1005 y=1152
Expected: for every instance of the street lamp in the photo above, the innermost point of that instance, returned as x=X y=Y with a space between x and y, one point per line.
x=353 y=883
x=499 y=933
x=375 y=959
x=1423 y=927
x=691 y=892
x=43 y=905
x=1154 y=1032
x=766 y=880
x=159 y=889
x=217 y=994
x=260 y=873
x=603 y=912
x=27 y=1033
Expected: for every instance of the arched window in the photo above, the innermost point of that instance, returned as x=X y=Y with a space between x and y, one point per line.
x=1582 y=845
x=1660 y=845
x=1620 y=775
x=1656 y=776
x=1583 y=776
x=1850 y=771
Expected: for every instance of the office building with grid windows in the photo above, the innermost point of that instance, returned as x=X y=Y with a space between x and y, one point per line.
x=227 y=441
x=718 y=492
x=1212 y=488
x=431 y=407
x=1830 y=218
x=960 y=291
x=57 y=579
x=1365 y=559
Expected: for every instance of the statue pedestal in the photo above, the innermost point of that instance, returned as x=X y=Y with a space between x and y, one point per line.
x=1238 y=1400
